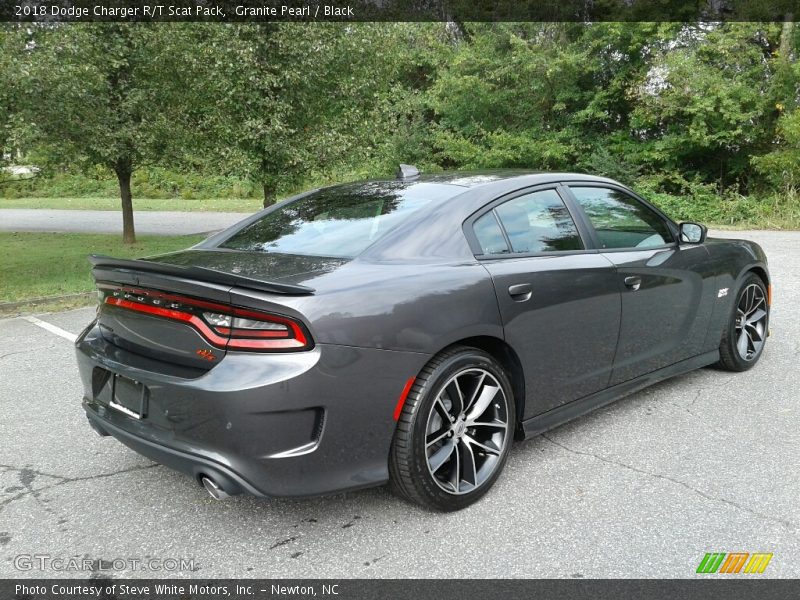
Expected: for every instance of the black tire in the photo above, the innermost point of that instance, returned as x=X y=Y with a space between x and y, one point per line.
x=730 y=355
x=411 y=474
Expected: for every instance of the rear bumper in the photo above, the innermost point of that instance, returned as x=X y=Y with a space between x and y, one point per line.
x=191 y=464
x=294 y=424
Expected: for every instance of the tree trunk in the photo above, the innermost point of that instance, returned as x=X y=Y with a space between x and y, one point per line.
x=786 y=37
x=269 y=194
x=124 y=177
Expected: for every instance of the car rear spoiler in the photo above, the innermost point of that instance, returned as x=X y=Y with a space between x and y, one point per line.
x=101 y=262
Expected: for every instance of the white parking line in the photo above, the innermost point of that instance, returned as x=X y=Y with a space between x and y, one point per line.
x=51 y=328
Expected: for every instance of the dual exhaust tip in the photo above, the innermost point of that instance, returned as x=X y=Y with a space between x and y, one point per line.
x=213 y=488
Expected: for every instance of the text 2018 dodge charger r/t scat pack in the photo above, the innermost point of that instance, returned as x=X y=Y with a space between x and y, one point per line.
x=408 y=330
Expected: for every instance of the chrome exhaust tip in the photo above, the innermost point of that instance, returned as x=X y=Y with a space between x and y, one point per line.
x=216 y=492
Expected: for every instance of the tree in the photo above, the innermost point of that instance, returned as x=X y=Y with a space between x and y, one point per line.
x=285 y=101
x=685 y=109
x=709 y=104
x=10 y=49
x=781 y=164
x=544 y=95
x=95 y=96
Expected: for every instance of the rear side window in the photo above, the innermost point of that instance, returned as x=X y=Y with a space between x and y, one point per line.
x=489 y=235
x=340 y=221
x=538 y=222
x=620 y=220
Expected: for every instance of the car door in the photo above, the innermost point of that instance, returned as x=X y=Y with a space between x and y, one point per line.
x=559 y=301
x=665 y=286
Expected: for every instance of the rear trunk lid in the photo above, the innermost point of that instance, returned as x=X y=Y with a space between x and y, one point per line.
x=178 y=308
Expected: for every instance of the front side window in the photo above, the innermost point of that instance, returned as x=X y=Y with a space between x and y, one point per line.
x=339 y=221
x=536 y=222
x=620 y=220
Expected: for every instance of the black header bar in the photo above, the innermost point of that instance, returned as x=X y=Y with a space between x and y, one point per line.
x=396 y=10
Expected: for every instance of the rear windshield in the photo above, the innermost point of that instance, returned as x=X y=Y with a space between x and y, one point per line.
x=339 y=221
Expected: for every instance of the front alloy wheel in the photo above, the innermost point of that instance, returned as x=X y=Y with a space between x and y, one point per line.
x=455 y=431
x=751 y=322
x=746 y=333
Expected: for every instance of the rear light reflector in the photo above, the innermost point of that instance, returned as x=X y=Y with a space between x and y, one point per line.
x=401 y=402
x=226 y=327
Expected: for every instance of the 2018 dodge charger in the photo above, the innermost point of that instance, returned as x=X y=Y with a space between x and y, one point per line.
x=407 y=330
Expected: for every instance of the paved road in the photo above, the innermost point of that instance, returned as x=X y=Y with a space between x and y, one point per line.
x=110 y=221
x=705 y=462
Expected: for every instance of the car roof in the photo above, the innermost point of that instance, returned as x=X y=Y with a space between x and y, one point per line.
x=435 y=231
x=473 y=184
x=478 y=178
x=459 y=182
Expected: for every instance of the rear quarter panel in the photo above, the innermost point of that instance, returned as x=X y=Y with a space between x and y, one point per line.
x=414 y=307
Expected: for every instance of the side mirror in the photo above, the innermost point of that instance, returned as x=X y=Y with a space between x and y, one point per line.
x=693 y=233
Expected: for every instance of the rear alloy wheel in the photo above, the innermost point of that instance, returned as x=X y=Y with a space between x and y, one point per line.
x=454 y=434
x=744 y=336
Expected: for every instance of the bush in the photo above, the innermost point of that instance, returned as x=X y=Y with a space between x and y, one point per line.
x=152 y=182
x=703 y=203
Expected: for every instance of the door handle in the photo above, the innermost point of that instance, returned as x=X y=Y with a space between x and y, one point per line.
x=520 y=292
x=634 y=282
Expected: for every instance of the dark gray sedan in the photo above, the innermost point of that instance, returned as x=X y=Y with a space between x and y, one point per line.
x=408 y=330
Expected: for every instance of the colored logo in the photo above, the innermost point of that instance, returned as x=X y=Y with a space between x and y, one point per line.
x=734 y=562
x=207 y=354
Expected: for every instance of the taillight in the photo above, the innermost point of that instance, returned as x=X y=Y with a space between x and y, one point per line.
x=252 y=330
x=227 y=327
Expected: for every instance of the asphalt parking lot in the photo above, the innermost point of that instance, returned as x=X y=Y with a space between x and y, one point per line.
x=706 y=462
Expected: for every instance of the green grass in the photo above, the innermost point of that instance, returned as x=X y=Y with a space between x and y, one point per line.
x=244 y=205
x=36 y=265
